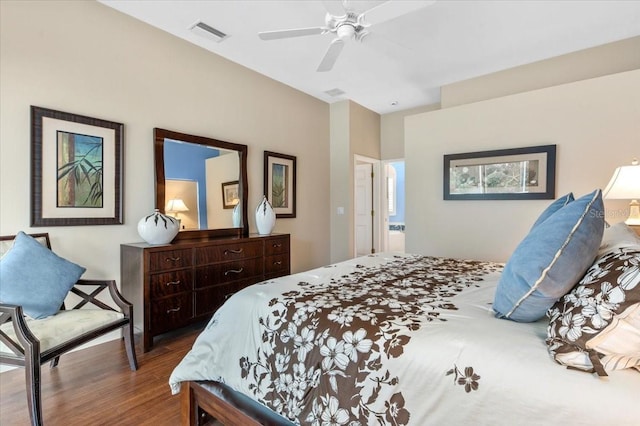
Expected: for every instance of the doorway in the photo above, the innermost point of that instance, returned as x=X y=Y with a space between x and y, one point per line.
x=394 y=229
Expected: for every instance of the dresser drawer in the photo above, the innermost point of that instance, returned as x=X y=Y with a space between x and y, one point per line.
x=169 y=283
x=170 y=259
x=211 y=298
x=228 y=271
x=276 y=246
x=226 y=252
x=278 y=263
x=171 y=313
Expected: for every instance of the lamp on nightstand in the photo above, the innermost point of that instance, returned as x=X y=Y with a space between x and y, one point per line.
x=625 y=185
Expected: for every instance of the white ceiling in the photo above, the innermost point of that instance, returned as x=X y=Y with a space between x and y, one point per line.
x=405 y=60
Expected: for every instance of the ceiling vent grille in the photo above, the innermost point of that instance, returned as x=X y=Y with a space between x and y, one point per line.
x=208 y=31
x=335 y=92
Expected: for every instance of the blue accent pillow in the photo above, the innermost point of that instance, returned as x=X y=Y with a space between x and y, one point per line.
x=34 y=277
x=551 y=259
x=553 y=207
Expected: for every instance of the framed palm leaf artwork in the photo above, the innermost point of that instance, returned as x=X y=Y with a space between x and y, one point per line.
x=280 y=183
x=76 y=169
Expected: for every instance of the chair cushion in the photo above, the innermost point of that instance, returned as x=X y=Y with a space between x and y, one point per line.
x=35 y=278
x=64 y=326
x=550 y=260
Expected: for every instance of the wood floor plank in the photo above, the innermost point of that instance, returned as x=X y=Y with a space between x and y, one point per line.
x=95 y=386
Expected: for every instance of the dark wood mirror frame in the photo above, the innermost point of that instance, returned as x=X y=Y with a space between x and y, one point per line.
x=159 y=136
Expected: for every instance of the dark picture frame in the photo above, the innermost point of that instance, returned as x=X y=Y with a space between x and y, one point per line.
x=76 y=169
x=230 y=194
x=280 y=183
x=527 y=173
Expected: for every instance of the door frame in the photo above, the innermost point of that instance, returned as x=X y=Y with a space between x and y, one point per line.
x=378 y=202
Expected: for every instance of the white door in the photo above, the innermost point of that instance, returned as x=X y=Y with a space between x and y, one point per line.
x=364 y=209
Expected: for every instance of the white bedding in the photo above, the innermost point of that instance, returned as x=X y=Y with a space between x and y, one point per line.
x=439 y=357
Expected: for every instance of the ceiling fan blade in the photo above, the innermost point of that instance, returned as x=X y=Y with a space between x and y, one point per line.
x=334 y=7
x=331 y=55
x=392 y=9
x=298 y=32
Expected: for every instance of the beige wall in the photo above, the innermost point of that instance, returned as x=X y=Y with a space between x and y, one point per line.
x=392 y=131
x=364 y=131
x=85 y=58
x=611 y=58
x=595 y=124
x=355 y=130
x=340 y=177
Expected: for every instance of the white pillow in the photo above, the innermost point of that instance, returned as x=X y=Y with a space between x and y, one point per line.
x=617 y=235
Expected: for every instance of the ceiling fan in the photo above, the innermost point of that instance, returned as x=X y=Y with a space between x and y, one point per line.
x=348 y=24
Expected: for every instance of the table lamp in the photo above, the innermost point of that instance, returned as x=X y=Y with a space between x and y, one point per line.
x=625 y=185
x=176 y=205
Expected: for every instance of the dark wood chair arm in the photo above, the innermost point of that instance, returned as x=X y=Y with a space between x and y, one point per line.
x=116 y=296
x=26 y=338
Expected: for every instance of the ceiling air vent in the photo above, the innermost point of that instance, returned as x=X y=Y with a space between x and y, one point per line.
x=208 y=31
x=335 y=92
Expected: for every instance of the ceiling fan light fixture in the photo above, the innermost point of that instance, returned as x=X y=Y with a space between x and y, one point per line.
x=345 y=31
x=207 y=31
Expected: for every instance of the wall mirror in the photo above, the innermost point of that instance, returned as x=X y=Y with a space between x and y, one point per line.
x=203 y=183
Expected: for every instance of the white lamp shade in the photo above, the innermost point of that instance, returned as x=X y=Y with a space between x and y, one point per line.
x=624 y=184
x=176 y=205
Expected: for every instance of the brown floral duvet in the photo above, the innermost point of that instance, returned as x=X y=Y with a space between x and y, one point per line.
x=392 y=339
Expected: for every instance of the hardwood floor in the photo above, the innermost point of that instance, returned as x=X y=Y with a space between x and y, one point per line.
x=95 y=386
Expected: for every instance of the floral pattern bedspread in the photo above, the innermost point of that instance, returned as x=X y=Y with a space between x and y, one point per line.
x=386 y=339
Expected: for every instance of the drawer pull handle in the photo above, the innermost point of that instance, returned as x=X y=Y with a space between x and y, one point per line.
x=170 y=311
x=279 y=262
x=238 y=251
x=234 y=271
x=277 y=245
x=228 y=295
x=172 y=259
x=173 y=283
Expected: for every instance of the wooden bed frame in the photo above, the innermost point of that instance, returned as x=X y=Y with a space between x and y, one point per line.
x=217 y=402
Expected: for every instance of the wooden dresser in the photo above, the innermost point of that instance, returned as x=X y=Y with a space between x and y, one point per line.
x=174 y=285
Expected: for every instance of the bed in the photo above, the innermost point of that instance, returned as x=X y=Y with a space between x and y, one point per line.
x=406 y=339
x=388 y=339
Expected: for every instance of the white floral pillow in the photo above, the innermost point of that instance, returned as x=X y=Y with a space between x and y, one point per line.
x=618 y=235
x=596 y=326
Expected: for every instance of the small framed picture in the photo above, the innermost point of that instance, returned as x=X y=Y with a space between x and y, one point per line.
x=280 y=183
x=230 y=194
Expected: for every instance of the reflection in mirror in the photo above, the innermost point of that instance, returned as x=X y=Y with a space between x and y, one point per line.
x=180 y=194
x=195 y=174
x=192 y=175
